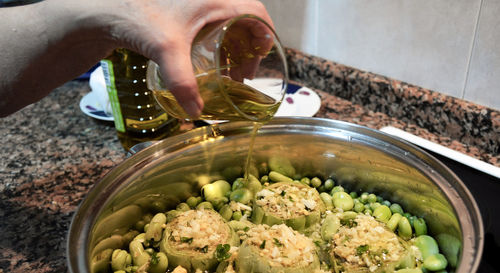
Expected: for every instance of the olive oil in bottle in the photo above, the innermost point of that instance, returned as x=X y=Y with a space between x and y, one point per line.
x=137 y=116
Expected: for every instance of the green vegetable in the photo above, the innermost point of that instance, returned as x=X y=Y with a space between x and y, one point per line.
x=241 y=195
x=393 y=222
x=382 y=213
x=329 y=184
x=427 y=245
x=222 y=252
x=360 y=250
x=435 y=262
x=215 y=190
x=343 y=201
x=330 y=226
x=316 y=182
x=155 y=228
x=404 y=228
x=278 y=177
x=193 y=201
x=100 y=262
x=159 y=263
x=205 y=205
x=420 y=226
x=396 y=208
x=120 y=259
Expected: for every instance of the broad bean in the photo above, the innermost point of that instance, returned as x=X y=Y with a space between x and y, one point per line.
x=139 y=256
x=393 y=222
x=242 y=195
x=343 y=201
x=281 y=165
x=193 y=201
x=427 y=245
x=337 y=189
x=100 y=262
x=329 y=227
x=327 y=199
x=183 y=207
x=316 y=182
x=396 y=208
x=382 y=213
x=120 y=259
x=305 y=181
x=359 y=207
x=404 y=228
x=237 y=215
x=253 y=184
x=204 y=205
x=215 y=190
x=450 y=246
x=409 y=270
x=278 y=177
x=435 y=262
x=160 y=265
x=226 y=212
x=420 y=226
x=155 y=228
x=372 y=198
x=329 y=184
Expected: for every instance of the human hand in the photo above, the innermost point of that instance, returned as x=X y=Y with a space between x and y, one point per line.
x=163 y=30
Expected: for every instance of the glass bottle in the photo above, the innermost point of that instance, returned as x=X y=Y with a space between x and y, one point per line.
x=138 y=118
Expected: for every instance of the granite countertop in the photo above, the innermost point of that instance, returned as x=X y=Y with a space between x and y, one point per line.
x=52 y=153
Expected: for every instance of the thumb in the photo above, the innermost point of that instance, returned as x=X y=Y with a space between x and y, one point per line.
x=177 y=73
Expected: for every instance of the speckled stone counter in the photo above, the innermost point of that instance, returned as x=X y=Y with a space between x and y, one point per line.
x=52 y=153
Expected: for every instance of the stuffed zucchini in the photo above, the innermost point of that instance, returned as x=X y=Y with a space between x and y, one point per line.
x=276 y=249
x=191 y=238
x=296 y=205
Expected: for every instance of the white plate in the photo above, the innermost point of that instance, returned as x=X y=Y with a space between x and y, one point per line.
x=90 y=105
x=299 y=101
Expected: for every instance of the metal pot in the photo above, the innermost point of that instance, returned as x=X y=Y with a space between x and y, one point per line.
x=359 y=158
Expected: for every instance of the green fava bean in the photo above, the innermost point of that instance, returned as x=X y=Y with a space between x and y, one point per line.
x=372 y=198
x=305 y=181
x=396 y=208
x=316 y=182
x=120 y=259
x=359 y=207
x=337 y=189
x=420 y=227
x=205 y=205
x=100 y=262
x=427 y=245
x=278 y=177
x=327 y=199
x=226 y=212
x=329 y=227
x=139 y=256
x=242 y=195
x=159 y=264
x=193 y=201
x=237 y=184
x=264 y=179
x=343 y=201
x=237 y=215
x=404 y=228
x=215 y=190
x=253 y=184
x=183 y=207
x=329 y=184
x=155 y=229
x=393 y=222
x=409 y=270
x=435 y=262
x=382 y=213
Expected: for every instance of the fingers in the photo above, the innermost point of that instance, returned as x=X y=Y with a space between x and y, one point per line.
x=177 y=72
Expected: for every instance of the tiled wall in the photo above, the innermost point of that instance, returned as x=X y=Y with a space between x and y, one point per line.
x=449 y=46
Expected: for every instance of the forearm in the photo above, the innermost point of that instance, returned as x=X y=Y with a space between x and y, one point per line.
x=42 y=46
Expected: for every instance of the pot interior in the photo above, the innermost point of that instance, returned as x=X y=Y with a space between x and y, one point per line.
x=360 y=159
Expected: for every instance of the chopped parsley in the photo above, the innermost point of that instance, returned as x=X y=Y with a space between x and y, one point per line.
x=246 y=229
x=360 y=250
x=154 y=258
x=348 y=222
x=277 y=242
x=263 y=245
x=187 y=239
x=317 y=243
x=283 y=193
x=203 y=249
x=222 y=252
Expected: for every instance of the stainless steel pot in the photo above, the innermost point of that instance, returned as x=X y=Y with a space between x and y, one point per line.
x=166 y=173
